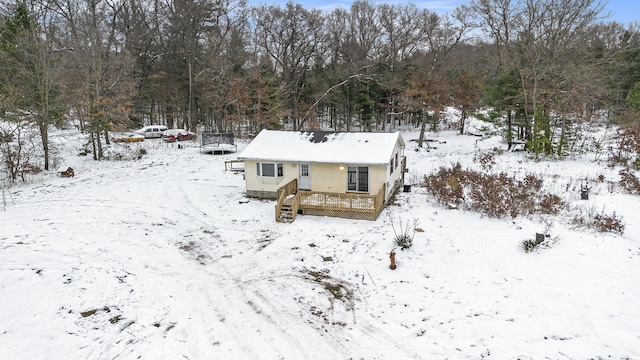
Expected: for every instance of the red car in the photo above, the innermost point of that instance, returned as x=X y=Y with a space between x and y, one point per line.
x=172 y=135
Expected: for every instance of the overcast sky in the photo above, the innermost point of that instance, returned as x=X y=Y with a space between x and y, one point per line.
x=624 y=11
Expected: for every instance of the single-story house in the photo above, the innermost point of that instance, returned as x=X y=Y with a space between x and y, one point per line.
x=343 y=174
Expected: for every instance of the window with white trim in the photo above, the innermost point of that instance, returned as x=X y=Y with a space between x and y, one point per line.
x=270 y=169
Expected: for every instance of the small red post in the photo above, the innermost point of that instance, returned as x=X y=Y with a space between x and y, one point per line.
x=392 y=256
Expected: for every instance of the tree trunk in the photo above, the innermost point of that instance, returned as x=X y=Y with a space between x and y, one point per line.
x=93 y=146
x=423 y=125
x=509 y=129
x=44 y=135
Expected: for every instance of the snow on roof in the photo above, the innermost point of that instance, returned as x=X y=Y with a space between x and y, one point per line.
x=323 y=147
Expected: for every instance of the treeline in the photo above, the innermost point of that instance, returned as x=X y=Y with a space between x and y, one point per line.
x=223 y=65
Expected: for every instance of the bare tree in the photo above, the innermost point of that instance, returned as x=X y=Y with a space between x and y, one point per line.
x=465 y=93
x=18 y=149
x=403 y=35
x=223 y=96
x=35 y=70
x=196 y=36
x=363 y=36
x=101 y=73
x=139 y=23
x=430 y=88
x=539 y=38
x=289 y=38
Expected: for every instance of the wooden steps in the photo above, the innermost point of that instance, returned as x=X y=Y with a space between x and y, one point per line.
x=286 y=213
x=286 y=210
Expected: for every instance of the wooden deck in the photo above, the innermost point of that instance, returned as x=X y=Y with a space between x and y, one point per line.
x=348 y=205
x=234 y=165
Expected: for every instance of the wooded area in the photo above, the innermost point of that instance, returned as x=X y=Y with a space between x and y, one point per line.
x=110 y=65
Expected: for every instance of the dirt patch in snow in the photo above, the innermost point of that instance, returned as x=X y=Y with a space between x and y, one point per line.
x=337 y=290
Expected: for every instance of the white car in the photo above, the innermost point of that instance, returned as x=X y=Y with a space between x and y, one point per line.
x=152 y=131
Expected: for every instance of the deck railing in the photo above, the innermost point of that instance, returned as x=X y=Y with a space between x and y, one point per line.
x=287 y=189
x=341 y=202
x=295 y=206
x=349 y=205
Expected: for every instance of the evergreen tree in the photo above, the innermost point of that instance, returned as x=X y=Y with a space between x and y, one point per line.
x=31 y=77
x=633 y=98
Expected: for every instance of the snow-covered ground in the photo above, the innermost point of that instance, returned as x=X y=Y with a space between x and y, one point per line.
x=165 y=258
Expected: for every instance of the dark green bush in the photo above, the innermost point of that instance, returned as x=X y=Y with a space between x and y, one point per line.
x=529 y=245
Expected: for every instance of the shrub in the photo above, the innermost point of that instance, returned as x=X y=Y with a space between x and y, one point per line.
x=627 y=152
x=84 y=151
x=608 y=223
x=585 y=216
x=532 y=182
x=445 y=185
x=495 y=195
x=629 y=182
x=550 y=204
x=403 y=237
x=18 y=154
x=529 y=245
x=125 y=153
x=141 y=152
x=486 y=160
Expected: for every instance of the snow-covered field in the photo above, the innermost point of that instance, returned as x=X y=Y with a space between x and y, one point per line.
x=165 y=258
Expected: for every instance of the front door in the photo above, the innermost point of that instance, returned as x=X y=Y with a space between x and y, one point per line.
x=304 y=181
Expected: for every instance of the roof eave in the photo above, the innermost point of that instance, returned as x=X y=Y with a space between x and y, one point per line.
x=313 y=161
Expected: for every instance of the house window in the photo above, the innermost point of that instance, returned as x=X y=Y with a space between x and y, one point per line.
x=396 y=160
x=358 y=178
x=269 y=170
x=391 y=167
